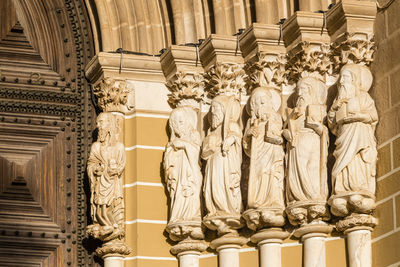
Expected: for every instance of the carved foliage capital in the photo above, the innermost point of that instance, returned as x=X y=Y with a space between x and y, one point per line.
x=269 y=71
x=187 y=89
x=356 y=49
x=114 y=95
x=312 y=60
x=226 y=79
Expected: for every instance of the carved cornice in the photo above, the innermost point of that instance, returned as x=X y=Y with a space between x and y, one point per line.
x=312 y=60
x=357 y=48
x=187 y=89
x=114 y=95
x=269 y=71
x=226 y=79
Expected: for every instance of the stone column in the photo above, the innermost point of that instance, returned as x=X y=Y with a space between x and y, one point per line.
x=310 y=69
x=264 y=55
x=225 y=84
x=350 y=24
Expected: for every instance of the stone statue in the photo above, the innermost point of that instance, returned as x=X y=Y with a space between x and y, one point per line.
x=222 y=151
x=105 y=166
x=183 y=175
x=353 y=118
x=262 y=142
x=307 y=150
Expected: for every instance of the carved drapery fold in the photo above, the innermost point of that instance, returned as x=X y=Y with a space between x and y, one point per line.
x=182 y=169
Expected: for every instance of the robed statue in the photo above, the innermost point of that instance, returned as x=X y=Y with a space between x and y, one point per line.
x=263 y=143
x=222 y=151
x=307 y=150
x=353 y=118
x=105 y=166
x=183 y=175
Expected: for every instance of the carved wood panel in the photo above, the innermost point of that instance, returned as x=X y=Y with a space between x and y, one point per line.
x=45 y=131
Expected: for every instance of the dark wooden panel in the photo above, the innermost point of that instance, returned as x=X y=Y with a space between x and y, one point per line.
x=45 y=132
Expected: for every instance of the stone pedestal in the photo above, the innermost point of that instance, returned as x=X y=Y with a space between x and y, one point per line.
x=269 y=244
x=313 y=237
x=228 y=247
x=114 y=261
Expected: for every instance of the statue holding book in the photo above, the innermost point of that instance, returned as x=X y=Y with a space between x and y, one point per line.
x=353 y=118
x=263 y=143
x=307 y=150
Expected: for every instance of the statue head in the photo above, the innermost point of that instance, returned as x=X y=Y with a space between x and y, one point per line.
x=225 y=112
x=217 y=113
x=182 y=121
x=353 y=80
x=310 y=91
x=264 y=100
x=107 y=126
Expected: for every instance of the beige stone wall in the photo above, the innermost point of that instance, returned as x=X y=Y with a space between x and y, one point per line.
x=386 y=68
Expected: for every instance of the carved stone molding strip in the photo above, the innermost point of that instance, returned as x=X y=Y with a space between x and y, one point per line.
x=36 y=95
x=39 y=108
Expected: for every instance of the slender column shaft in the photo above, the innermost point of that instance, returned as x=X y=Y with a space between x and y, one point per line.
x=270 y=255
x=228 y=256
x=114 y=262
x=190 y=259
x=314 y=251
x=359 y=248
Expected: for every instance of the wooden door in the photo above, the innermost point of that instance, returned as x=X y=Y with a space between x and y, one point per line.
x=45 y=129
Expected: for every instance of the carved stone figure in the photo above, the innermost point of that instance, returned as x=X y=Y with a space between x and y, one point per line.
x=307 y=149
x=353 y=118
x=262 y=142
x=183 y=175
x=105 y=166
x=222 y=151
